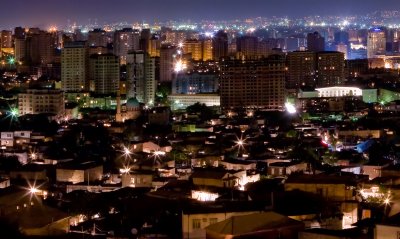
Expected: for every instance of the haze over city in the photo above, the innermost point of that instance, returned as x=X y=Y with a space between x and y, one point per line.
x=45 y=13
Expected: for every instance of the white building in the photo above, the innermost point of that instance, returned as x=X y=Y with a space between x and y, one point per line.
x=37 y=101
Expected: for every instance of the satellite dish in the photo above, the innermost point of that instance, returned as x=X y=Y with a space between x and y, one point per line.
x=134 y=231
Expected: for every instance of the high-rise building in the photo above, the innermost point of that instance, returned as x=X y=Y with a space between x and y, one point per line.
x=6 y=43
x=97 y=37
x=141 y=82
x=301 y=69
x=104 y=73
x=376 y=42
x=37 y=101
x=253 y=83
x=19 y=32
x=74 y=67
x=145 y=36
x=6 y=39
x=207 y=46
x=125 y=40
x=220 y=45
x=247 y=47
x=154 y=45
x=193 y=47
x=167 y=62
x=40 y=47
x=20 y=49
x=311 y=69
x=315 y=42
x=330 y=68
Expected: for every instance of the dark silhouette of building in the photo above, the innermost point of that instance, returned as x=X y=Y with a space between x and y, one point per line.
x=220 y=45
x=315 y=42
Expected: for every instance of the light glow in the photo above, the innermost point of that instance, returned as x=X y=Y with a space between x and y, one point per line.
x=290 y=108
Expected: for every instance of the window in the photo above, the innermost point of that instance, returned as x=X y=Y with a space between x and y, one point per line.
x=213 y=220
x=196 y=223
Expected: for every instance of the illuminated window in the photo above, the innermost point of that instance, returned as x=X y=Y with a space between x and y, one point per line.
x=196 y=223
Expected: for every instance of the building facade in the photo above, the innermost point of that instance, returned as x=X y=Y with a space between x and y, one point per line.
x=125 y=40
x=376 y=42
x=104 y=73
x=254 y=83
x=141 y=83
x=36 y=101
x=195 y=83
x=74 y=67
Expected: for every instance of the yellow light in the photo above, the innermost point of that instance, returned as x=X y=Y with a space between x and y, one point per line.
x=33 y=190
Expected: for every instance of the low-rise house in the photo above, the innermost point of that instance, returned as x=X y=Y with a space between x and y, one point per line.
x=215 y=178
x=340 y=189
x=373 y=170
x=389 y=229
x=79 y=172
x=238 y=164
x=25 y=208
x=257 y=225
x=286 y=168
x=196 y=218
x=7 y=139
x=137 y=179
x=14 y=138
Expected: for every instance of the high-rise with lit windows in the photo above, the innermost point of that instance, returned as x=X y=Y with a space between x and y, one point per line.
x=125 y=40
x=376 y=42
x=104 y=73
x=253 y=83
x=74 y=67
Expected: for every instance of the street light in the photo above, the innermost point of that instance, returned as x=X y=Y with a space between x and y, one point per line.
x=33 y=190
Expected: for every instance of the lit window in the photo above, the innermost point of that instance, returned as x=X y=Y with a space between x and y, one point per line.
x=196 y=223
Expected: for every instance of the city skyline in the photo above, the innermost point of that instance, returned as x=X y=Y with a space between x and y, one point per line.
x=48 y=13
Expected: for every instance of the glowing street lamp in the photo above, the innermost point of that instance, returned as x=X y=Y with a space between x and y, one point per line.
x=386 y=201
x=290 y=108
x=33 y=156
x=179 y=66
x=14 y=112
x=125 y=170
x=11 y=60
x=126 y=151
x=33 y=190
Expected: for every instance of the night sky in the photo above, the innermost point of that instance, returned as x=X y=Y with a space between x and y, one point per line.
x=44 y=13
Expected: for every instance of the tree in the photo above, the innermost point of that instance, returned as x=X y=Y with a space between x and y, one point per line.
x=202 y=110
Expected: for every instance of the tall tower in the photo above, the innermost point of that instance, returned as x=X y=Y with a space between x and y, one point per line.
x=125 y=40
x=193 y=47
x=376 y=42
x=247 y=47
x=315 y=42
x=141 y=83
x=253 y=83
x=330 y=68
x=97 y=37
x=74 y=67
x=220 y=45
x=167 y=62
x=40 y=47
x=104 y=72
x=301 y=69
